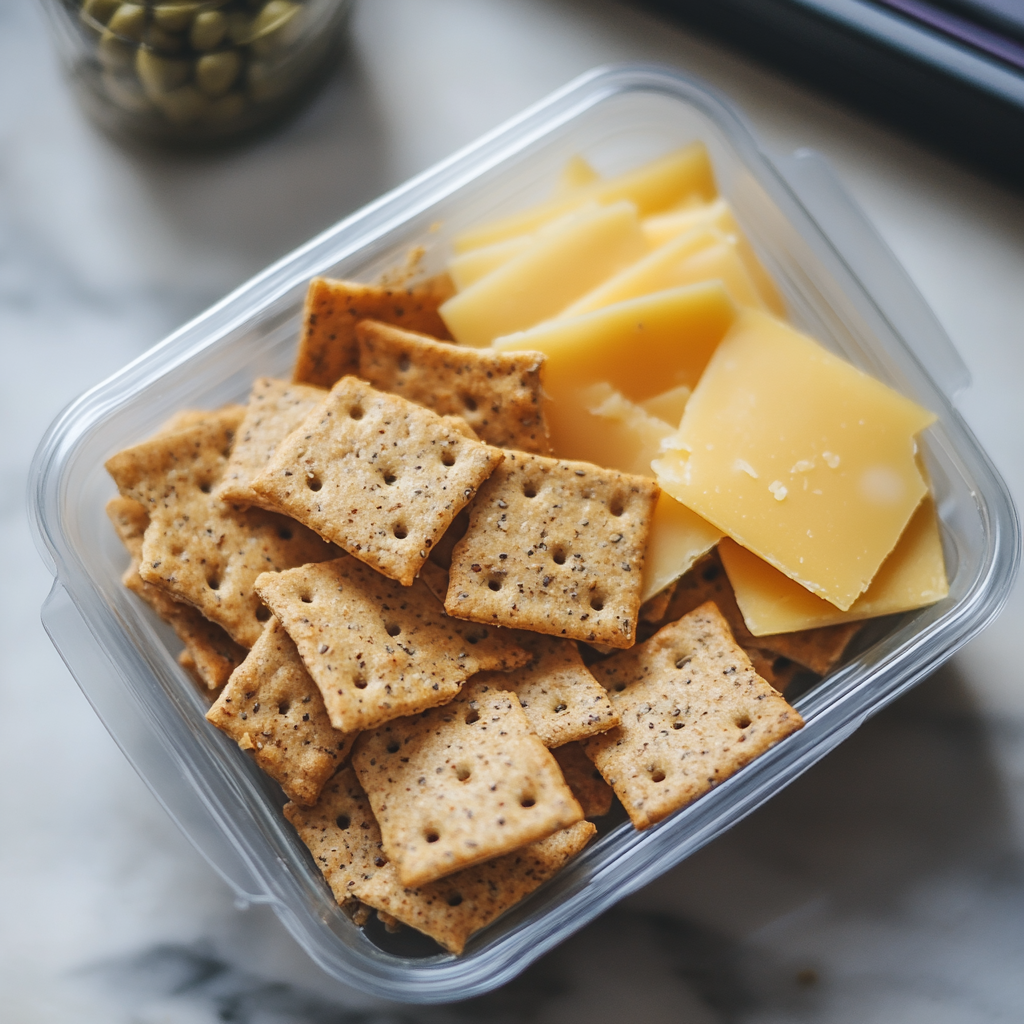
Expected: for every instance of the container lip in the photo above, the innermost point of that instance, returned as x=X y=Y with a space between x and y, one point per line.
x=849 y=700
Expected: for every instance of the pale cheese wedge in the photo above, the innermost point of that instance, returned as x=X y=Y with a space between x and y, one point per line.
x=576 y=174
x=468 y=268
x=913 y=576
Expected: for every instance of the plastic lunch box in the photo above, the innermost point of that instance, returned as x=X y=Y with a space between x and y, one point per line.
x=841 y=284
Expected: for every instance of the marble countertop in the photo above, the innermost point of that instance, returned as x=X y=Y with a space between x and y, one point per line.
x=886 y=885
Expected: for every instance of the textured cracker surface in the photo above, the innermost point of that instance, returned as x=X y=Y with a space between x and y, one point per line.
x=773 y=668
x=692 y=712
x=197 y=548
x=498 y=393
x=593 y=793
x=275 y=409
x=344 y=839
x=562 y=700
x=327 y=343
x=210 y=655
x=545 y=550
x=272 y=707
x=817 y=649
x=378 y=475
x=376 y=649
x=461 y=784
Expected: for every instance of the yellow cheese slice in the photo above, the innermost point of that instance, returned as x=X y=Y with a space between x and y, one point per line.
x=703 y=254
x=669 y=405
x=576 y=174
x=798 y=456
x=557 y=268
x=662 y=228
x=913 y=576
x=468 y=268
x=611 y=431
x=655 y=186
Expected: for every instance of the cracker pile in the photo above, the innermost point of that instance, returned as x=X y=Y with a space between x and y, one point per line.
x=384 y=572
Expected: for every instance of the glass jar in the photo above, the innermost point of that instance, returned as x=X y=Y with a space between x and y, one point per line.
x=194 y=72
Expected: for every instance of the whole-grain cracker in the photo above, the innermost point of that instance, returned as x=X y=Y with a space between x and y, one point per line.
x=210 y=655
x=345 y=841
x=498 y=393
x=275 y=409
x=327 y=343
x=585 y=781
x=461 y=784
x=556 y=547
x=272 y=707
x=376 y=649
x=380 y=476
x=692 y=712
x=197 y=548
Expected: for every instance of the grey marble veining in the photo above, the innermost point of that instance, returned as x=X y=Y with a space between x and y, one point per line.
x=885 y=885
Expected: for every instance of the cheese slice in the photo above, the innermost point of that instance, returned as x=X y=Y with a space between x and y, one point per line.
x=468 y=268
x=662 y=228
x=669 y=405
x=614 y=432
x=658 y=185
x=798 y=456
x=913 y=576
x=558 y=267
x=576 y=174
x=703 y=254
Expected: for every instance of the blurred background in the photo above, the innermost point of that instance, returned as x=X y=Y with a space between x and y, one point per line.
x=885 y=885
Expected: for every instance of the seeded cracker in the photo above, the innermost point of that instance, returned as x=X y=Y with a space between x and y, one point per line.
x=461 y=784
x=378 y=475
x=275 y=409
x=344 y=839
x=498 y=393
x=556 y=547
x=817 y=649
x=376 y=649
x=693 y=712
x=197 y=548
x=593 y=793
x=210 y=655
x=327 y=344
x=272 y=707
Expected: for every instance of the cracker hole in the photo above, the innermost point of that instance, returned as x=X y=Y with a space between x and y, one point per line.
x=682 y=661
x=677 y=725
x=447 y=458
x=619 y=687
x=494 y=585
x=390 y=478
x=393 y=629
x=285 y=533
x=355 y=412
x=657 y=775
x=743 y=722
x=559 y=708
x=472 y=715
x=360 y=683
x=343 y=821
x=529 y=491
x=262 y=613
x=462 y=772
x=213 y=583
x=206 y=487
x=393 y=747
x=431 y=835
x=455 y=899
x=314 y=483
x=283 y=707
x=400 y=531
x=616 y=507
x=404 y=362
x=558 y=555
x=596 y=602
x=469 y=402
x=529 y=800
x=306 y=599
x=475 y=638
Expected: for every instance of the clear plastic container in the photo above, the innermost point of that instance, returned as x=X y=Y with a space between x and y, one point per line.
x=841 y=284
x=194 y=72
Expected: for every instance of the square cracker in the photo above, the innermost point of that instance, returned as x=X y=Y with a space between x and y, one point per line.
x=327 y=343
x=498 y=394
x=817 y=649
x=461 y=784
x=556 y=547
x=272 y=707
x=585 y=781
x=275 y=409
x=201 y=550
x=210 y=655
x=693 y=712
x=344 y=839
x=562 y=700
x=376 y=649
x=380 y=476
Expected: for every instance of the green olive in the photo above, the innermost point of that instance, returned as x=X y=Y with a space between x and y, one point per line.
x=125 y=92
x=99 y=10
x=185 y=105
x=175 y=17
x=208 y=30
x=128 y=21
x=114 y=53
x=216 y=72
x=159 y=75
x=228 y=108
x=275 y=27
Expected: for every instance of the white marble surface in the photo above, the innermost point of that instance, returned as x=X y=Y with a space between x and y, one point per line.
x=890 y=875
